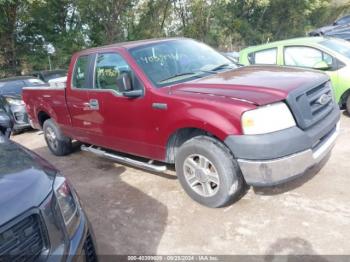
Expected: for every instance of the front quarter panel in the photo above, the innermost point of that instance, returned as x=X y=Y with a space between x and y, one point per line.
x=217 y=115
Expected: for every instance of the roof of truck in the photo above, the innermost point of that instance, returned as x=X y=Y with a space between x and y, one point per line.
x=131 y=44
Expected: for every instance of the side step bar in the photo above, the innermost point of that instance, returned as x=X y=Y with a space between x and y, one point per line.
x=125 y=160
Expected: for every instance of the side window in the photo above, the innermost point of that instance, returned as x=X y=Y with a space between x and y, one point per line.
x=304 y=56
x=80 y=76
x=110 y=68
x=265 y=57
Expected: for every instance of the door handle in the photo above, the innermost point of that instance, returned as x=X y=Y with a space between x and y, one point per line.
x=92 y=104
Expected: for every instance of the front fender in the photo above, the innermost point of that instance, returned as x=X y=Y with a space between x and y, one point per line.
x=207 y=120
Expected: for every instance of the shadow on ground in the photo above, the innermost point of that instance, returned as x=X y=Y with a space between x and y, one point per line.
x=292 y=250
x=125 y=220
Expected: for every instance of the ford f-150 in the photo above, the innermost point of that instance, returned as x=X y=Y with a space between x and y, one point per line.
x=178 y=101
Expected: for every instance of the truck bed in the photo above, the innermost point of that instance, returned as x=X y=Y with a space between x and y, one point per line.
x=46 y=99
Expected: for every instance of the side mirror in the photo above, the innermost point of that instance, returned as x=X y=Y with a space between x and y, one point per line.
x=6 y=124
x=321 y=66
x=124 y=82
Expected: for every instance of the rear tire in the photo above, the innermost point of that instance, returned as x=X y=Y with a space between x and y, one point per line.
x=58 y=143
x=347 y=104
x=208 y=172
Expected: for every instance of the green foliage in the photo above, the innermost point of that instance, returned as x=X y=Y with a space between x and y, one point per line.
x=28 y=28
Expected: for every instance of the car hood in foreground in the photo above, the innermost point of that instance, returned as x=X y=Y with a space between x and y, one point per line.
x=259 y=85
x=25 y=180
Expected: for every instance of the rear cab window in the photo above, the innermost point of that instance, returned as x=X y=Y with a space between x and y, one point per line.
x=263 y=57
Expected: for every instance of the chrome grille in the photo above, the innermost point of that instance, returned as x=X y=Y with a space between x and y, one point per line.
x=22 y=241
x=312 y=105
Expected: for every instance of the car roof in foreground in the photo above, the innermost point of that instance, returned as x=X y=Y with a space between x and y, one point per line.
x=293 y=41
x=131 y=44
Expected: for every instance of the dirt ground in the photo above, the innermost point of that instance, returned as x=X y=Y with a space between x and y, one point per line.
x=137 y=212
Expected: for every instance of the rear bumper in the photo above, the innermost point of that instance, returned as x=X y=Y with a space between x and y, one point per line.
x=280 y=170
x=275 y=158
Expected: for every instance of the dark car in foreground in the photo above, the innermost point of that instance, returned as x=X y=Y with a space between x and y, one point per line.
x=41 y=217
x=340 y=29
x=11 y=99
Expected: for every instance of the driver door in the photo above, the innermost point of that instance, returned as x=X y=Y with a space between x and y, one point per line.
x=118 y=122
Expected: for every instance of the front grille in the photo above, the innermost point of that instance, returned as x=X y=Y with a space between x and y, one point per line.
x=90 y=252
x=22 y=241
x=312 y=105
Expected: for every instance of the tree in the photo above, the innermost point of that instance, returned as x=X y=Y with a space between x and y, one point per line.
x=8 y=18
x=28 y=28
x=104 y=19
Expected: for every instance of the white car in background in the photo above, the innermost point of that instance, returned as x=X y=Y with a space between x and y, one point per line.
x=59 y=82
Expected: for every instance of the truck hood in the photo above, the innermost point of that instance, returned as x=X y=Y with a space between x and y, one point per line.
x=259 y=85
x=25 y=180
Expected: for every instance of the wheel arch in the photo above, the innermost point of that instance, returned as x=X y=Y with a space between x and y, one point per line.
x=343 y=98
x=180 y=136
x=42 y=117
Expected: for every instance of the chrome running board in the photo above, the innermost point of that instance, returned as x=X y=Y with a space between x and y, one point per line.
x=125 y=160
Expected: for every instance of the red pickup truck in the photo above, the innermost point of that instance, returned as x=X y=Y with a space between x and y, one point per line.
x=178 y=101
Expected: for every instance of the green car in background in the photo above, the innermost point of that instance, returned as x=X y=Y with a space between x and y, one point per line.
x=331 y=55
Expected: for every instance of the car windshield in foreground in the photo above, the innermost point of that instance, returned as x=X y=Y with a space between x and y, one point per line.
x=177 y=61
x=340 y=46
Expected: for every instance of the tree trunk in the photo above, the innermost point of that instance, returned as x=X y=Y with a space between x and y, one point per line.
x=8 y=38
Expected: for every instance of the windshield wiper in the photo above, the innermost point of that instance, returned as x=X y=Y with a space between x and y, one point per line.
x=177 y=75
x=218 y=67
x=210 y=71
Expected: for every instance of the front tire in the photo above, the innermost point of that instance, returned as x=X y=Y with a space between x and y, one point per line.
x=208 y=172
x=58 y=143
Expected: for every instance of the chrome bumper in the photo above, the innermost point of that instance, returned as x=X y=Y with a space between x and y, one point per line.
x=277 y=171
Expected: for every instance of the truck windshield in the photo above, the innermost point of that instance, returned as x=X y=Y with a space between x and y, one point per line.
x=177 y=61
x=340 y=46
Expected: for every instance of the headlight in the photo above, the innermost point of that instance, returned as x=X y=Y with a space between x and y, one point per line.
x=68 y=204
x=16 y=102
x=267 y=119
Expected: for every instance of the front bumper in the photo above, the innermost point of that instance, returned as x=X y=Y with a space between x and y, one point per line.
x=277 y=171
x=274 y=158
